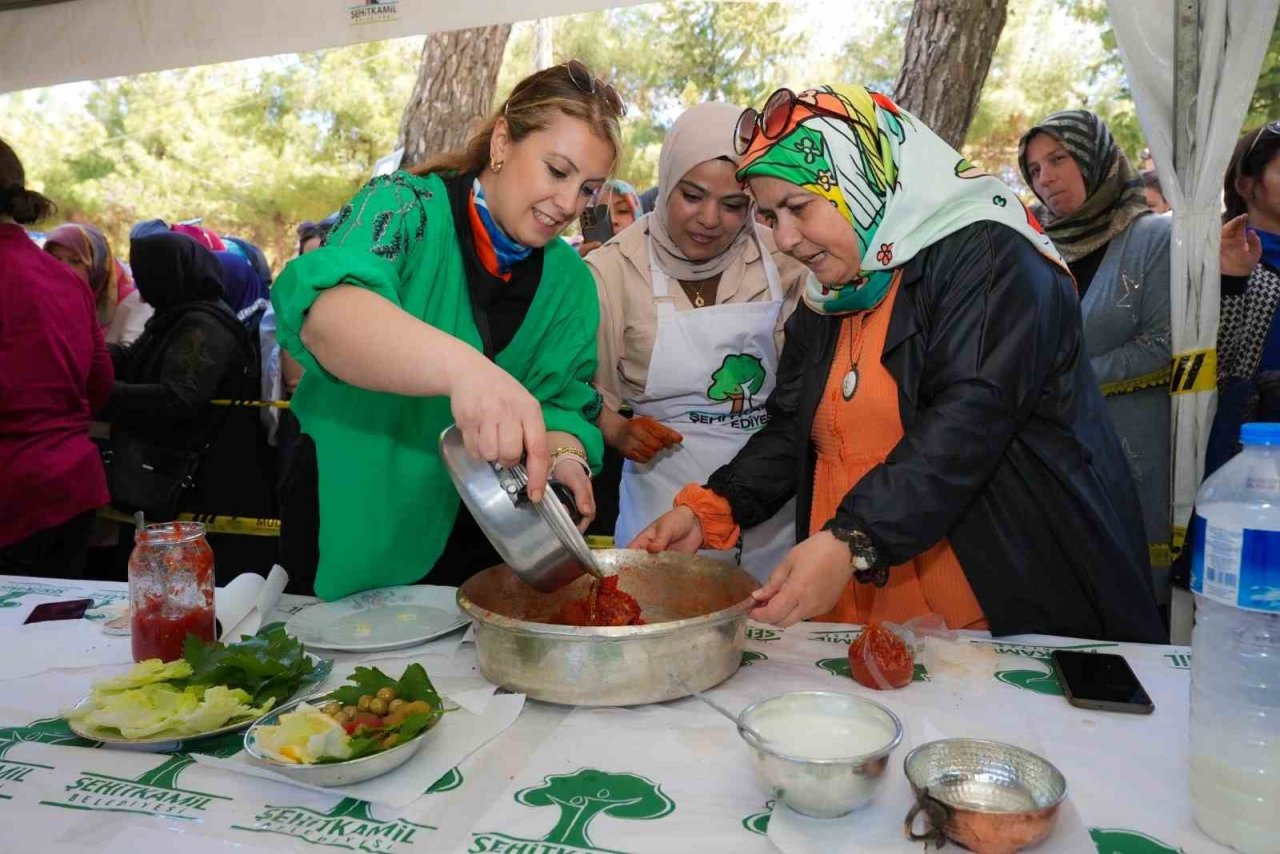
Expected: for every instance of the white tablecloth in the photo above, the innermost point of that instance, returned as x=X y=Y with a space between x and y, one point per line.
x=672 y=777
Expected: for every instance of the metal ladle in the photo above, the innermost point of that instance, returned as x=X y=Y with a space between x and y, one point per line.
x=754 y=733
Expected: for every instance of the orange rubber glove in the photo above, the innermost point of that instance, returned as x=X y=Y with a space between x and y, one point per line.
x=644 y=437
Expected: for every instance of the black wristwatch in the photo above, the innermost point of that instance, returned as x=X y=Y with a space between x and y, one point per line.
x=863 y=557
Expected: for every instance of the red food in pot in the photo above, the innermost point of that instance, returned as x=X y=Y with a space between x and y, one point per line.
x=880 y=659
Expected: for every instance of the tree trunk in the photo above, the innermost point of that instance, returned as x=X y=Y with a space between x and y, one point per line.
x=454 y=92
x=948 y=52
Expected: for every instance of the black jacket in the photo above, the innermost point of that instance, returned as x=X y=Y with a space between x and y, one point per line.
x=1008 y=449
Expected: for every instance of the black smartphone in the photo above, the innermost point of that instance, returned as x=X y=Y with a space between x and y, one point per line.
x=72 y=609
x=1102 y=681
x=597 y=227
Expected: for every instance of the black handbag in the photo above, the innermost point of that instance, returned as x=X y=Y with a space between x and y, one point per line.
x=148 y=477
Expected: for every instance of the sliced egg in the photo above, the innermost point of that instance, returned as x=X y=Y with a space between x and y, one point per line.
x=303 y=737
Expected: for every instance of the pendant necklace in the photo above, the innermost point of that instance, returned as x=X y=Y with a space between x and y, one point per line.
x=849 y=385
x=698 y=301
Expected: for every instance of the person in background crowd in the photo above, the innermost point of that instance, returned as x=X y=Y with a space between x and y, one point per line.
x=1118 y=251
x=443 y=295
x=1155 y=195
x=311 y=234
x=1249 y=334
x=692 y=305
x=934 y=414
x=624 y=208
x=243 y=289
x=121 y=312
x=204 y=236
x=54 y=374
x=648 y=199
x=193 y=351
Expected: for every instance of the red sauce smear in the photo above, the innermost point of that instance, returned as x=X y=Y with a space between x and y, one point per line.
x=604 y=605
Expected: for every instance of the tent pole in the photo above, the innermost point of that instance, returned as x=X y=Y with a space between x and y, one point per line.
x=1186 y=83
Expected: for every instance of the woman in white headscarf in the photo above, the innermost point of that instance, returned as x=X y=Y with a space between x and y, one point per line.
x=693 y=298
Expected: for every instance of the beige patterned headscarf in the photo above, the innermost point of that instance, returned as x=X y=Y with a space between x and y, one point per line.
x=702 y=133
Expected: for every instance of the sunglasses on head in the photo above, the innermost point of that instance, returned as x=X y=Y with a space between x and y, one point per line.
x=1272 y=128
x=592 y=85
x=773 y=119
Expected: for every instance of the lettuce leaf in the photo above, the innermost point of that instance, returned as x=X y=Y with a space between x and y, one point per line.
x=162 y=710
x=144 y=673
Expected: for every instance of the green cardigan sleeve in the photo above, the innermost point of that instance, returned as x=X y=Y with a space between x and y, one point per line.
x=561 y=379
x=370 y=245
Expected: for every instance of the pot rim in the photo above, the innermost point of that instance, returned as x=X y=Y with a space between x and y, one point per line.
x=512 y=625
x=916 y=788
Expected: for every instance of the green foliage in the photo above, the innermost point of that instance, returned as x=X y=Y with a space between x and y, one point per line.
x=252 y=148
x=412 y=685
x=668 y=56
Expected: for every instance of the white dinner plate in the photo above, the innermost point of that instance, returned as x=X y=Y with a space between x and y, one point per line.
x=378 y=620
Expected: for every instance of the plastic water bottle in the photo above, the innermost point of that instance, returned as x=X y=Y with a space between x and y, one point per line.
x=1235 y=662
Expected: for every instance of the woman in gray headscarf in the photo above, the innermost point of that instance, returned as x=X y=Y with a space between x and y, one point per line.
x=693 y=298
x=1097 y=216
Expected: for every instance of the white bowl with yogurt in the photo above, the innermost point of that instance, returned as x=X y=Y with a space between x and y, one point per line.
x=823 y=753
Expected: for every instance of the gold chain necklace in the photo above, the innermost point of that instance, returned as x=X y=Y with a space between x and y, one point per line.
x=698 y=301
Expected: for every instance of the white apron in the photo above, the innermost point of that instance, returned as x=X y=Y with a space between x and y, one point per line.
x=712 y=370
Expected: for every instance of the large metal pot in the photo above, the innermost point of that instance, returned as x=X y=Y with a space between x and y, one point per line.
x=540 y=542
x=695 y=610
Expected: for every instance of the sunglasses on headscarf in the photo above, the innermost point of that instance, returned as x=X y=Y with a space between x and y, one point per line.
x=1268 y=128
x=773 y=119
x=592 y=85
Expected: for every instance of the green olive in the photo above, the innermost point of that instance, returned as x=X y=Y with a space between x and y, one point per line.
x=378 y=706
x=363 y=703
x=348 y=714
x=332 y=709
x=396 y=705
x=387 y=694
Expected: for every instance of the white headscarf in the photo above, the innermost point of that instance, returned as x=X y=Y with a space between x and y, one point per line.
x=702 y=133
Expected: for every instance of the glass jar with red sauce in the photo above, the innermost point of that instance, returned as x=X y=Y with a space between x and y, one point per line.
x=170 y=589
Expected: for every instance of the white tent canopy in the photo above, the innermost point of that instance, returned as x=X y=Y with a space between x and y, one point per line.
x=1193 y=66
x=62 y=42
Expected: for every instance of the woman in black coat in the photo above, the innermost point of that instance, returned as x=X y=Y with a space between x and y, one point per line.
x=1004 y=499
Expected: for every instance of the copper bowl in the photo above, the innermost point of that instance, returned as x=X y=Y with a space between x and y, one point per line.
x=989 y=797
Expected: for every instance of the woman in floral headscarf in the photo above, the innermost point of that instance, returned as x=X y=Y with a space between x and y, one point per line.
x=120 y=309
x=934 y=416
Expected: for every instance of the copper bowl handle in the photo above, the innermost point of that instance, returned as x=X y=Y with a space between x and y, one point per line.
x=936 y=815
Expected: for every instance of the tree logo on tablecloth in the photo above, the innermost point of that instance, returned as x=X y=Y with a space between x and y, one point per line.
x=582 y=798
x=1035 y=680
x=43 y=731
x=840 y=667
x=154 y=792
x=759 y=822
x=1111 y=840
x=750 y=657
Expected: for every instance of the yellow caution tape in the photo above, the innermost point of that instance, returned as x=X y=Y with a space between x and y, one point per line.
x=1194 y=371
x=1161 y=555
x=260 y=404
x=1178 y=540
x=1151 y=380
x=213 y=524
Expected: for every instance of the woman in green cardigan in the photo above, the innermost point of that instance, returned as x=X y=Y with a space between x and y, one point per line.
x=443 y=295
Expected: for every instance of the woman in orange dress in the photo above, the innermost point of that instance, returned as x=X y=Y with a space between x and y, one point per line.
x=934 y=415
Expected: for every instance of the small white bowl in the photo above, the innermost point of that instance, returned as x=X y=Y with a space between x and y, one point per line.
x=824 y=753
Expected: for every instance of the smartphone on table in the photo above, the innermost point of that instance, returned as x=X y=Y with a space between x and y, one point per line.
x=72 y=609
x=1102 y=681
x=597 y=227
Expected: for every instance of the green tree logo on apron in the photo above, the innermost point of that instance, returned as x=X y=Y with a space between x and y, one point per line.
x=738 y=378
x=1112 y=840
x=585 y=795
